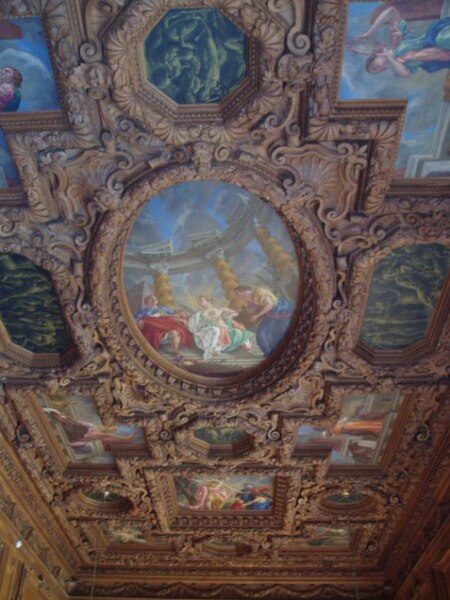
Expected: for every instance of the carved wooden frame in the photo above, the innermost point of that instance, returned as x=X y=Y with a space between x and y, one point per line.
x=53 y=445
x=134 y=94
x=120 y=333
x=43 y=120
x=332 y=119
x=62 y=285
x=335 y=393
x=171 y=518
x=363 y=268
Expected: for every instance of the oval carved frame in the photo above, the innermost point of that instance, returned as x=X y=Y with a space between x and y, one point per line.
x=151 y=371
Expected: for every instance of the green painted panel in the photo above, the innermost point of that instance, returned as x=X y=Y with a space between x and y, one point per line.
x=405 y=289
x=29 y=307
x=195 y=55
x=219 y=435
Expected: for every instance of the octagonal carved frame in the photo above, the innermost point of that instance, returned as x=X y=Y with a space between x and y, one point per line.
x=362 y=270
x=135 y=95
x=171 y=518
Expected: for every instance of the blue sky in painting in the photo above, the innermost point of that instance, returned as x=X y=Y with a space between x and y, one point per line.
x=6 y=163
x=30 y=56
x=424 y=91
x=197 y=207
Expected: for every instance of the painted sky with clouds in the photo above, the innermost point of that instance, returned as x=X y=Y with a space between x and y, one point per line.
x=30 y=56
x=424 y=91
x=196 y=207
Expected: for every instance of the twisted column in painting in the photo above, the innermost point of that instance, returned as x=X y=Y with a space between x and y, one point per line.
x=228 y=280
x=163 y=289
x=278 y=257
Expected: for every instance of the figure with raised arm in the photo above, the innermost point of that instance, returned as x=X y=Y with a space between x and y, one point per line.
x=408 y=51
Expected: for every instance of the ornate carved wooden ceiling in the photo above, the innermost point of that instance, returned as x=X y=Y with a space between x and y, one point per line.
x=224 y=252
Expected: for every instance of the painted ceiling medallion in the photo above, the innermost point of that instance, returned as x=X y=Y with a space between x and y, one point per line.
x=195 y=55
x=211 y=278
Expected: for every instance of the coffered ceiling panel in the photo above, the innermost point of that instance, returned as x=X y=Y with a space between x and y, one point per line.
x=224 y=294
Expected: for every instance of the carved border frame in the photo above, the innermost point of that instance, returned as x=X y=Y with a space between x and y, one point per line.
x=172 y=519
x=53 y=450
x=335 y=393
x=185 y=123
x=362 y=269
x=383 y=132
x=116 y=322
x=63 y=284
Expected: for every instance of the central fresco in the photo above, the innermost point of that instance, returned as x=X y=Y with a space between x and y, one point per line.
x=211 y=277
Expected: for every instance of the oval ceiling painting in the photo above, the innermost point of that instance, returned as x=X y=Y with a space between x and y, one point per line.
x=211 y=277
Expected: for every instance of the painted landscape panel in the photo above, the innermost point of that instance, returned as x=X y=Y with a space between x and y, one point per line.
x=29 y=306
x=211 y=276
x=361 y=433
x=26 y=75
x=323 y=536
x=8 y=174
x=401 y=50
x=85 y=439
x=405 y=288
x=233 y=493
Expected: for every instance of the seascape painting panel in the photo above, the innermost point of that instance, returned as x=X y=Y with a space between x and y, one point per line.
x=401 y=50
x=234 y=493
x=211 y=277
x=8 y=174
x=26 y=75
x=361 y=433
x=403 y=295
x=86 y=440
x=29 y=306
x=195 y=55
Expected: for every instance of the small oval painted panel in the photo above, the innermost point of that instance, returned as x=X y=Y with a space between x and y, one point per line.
x=211 y=277
x=195 y=55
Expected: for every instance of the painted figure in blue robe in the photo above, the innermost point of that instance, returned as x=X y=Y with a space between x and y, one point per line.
x=255 y=497
x=408 y=51
x=10 y=95
x=271 y=315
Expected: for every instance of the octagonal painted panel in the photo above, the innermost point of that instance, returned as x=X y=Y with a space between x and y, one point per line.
x=211 y=277
x=195 y=55
x=30 y=310
x=404 y=292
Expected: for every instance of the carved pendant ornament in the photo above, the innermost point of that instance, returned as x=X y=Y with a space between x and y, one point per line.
x=224 y=296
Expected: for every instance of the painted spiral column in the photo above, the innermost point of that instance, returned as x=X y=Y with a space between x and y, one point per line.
x=279 y=259
x=163 y=289
x=228 y=280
